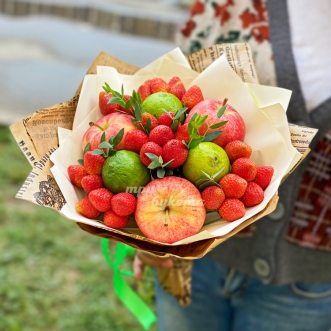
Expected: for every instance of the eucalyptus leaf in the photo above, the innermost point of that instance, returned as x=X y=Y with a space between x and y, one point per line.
x=111 y=152
x=221 y=111
x=81 y=162
x=167 y=163
x=217 y=173
x=160 y=172
x=195 y=142
x=151 y=156
x=202 y=120
x=154 y=164
x=115 y=100
x=160 y=159
x=218 y=125
x=212 y=135
x=111 y=140
x=180 y=113
x=103 y=137
x=118 y=137
x=174 y=125
x=207 y=175
x=202 y=181
x=97 y=152
x=148 y=125
x=207 y=184
x=87 y=148
x=105 y=144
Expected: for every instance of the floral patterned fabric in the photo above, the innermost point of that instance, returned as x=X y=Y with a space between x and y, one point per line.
x=215 y=22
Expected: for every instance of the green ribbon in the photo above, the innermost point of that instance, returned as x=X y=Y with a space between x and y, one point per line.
x=125 y=293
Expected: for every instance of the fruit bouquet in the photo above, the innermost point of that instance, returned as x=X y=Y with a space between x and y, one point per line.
x=170 y=160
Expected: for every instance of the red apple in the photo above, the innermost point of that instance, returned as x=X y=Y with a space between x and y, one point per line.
x=110 y=124
x=234 y=129
x=170 y=209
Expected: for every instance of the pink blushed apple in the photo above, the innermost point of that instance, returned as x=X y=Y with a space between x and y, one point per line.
x=110 y=124
x=234 y=129
x=170 y=209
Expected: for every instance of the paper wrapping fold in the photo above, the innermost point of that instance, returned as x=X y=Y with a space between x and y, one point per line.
x=38 y=138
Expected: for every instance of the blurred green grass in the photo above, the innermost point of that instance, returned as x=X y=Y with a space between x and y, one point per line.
x=52 y=274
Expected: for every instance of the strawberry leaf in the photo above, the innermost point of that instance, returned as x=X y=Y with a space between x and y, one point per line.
x=212 y=135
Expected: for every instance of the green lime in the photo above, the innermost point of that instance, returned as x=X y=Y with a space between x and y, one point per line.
x=124 y=172
x=154 y=103
x=207 y=157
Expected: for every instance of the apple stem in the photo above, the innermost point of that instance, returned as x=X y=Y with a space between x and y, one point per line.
x=225 y=101
x=95 y=124
x=167 y=217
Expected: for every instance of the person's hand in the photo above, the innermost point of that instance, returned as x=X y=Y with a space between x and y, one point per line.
x=143 y=258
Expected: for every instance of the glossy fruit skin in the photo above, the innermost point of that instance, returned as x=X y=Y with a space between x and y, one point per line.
x=233 y=186
x=134 y=140
x=158 y=85
x=166 y=119
x=93 y=163
x=253 y=195
x=86 y=209
x=101 y=199
x=245 y=168
x=234 y=129
x=110 y=125
x=144 y=90
x=124 y=170
x=213 y=197
x=237 y=149
x=111 y=219
x=76 y=173
x=123 y=204
x=92 y=182
x=207 y=157
x=170 y=209
x=154 y=103
x=192 y=97
x=182 y=133
x=176 y=151
x=263 y=176
x=149 y=147
x=232 y=209
x=105 y=107
x=161 y=135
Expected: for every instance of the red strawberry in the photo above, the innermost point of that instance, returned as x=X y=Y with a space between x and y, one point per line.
x=115 y=221
x=101 y=199
x=166 y=119
x=213 y=197
x=253 y=195
x=149 y=147
x=173 y=81
x=76 y=173
x=92 y=182
x=232 y=209
x=159 y=85
x=245 y=168
x=144 y=90
x=192 y=97
x=134 y=140
x=145 y=117
x=178 y=89
x=93 y=163
x=182 y=133
x=236 y=149
x=174 y=150
x=85 y=208
x=263 y=176
x=233 y=186
x=123 y=204
x=104 y=97
x=161 y=134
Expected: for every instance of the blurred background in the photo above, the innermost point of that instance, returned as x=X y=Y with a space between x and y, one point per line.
x=52 y=274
